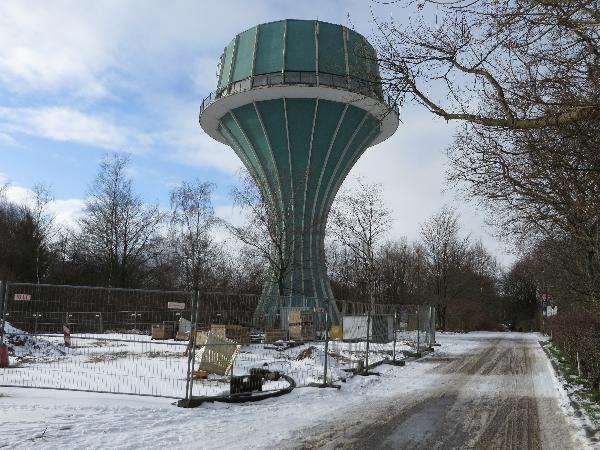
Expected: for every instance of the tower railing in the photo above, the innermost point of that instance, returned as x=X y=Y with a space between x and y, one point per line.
x=302 y=78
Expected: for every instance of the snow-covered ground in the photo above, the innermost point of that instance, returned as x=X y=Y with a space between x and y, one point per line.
x=59 y=419
x=135 y=364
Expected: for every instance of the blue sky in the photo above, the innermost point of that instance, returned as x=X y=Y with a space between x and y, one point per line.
x=79 y=79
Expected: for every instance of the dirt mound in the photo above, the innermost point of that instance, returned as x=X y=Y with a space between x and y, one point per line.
x=22 y=345
x=306 y=353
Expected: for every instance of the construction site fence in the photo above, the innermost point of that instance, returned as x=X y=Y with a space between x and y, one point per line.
x=180 y=344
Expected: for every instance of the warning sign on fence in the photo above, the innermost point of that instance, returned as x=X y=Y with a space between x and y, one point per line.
x=22 y=297
x=175 y=305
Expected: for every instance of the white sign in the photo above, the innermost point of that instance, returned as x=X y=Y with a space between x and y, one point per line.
x=22 y=297
x=175 y=305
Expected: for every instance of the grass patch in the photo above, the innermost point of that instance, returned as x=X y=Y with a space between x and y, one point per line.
x=588 y=398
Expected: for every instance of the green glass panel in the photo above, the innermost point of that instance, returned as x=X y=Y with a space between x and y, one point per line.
x=244 y=55
x=350 y=123
x=327 y=119
x=300 y=114
x=232 y=142
x=300 y=45
x=328 y=116
x=273 y=116
x=269 y=52
x=251 y=163
x=224 y=81
x=331 y=49
x=250 y=123
x=359 y=144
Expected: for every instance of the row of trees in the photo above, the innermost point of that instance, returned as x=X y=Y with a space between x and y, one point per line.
x=121 y=241
x=444 y=267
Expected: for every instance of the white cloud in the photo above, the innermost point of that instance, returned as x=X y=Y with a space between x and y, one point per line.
x=188 y=144
x=202 y=151
x=7 y=140
x=231 y=213
x=18 y=194
x=69 y=125
x=51 y=47
x=66 y=212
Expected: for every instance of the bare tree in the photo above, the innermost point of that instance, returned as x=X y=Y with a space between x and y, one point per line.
x=117 y=229
x=268 y=231
x=192 y=217
x=445 y=248
x=539 y=185
x=359 y=220
x=521 y=64
x=24 y=241
x=403 y=269
x=522 y=77
x=44 y=221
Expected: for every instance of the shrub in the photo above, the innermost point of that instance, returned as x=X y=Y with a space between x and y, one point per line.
x=576 y=330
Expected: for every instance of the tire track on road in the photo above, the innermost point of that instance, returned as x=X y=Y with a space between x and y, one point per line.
x=484 y=400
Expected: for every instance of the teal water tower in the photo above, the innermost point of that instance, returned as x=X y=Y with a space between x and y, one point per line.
x=299 y=101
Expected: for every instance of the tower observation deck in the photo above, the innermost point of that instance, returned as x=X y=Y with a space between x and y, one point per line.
x=299 y=101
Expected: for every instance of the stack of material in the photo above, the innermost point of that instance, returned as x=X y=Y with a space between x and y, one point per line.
x=275 y=335
x=185 y=327
x=236 y=333
x=163 y=331
x=301 y=325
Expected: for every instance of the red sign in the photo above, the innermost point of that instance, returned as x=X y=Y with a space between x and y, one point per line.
x=23 y=297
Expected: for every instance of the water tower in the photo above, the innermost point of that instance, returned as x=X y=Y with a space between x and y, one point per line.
x=299 y=101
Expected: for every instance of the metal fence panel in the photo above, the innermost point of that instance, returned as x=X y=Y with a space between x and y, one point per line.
x=94 y=339
x=183 y=344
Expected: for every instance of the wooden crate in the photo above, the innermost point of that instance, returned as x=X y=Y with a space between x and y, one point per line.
x=301 y=333
x=295 y=332
x=276 y=335
x=236 y=333
x=162 y=331
x=300 y=317
x=294 y=317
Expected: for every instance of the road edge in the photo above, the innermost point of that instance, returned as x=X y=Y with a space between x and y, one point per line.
x=591 y=434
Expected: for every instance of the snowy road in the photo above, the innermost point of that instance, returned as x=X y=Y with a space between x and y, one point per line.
x=479 y=390
x=499 y=394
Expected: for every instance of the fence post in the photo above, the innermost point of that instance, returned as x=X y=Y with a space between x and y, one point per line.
x=191 y=347
x=1 y=312
x=326 y=345
x=4 y=302
x=428 y=325
x=394 y=330
x=366 y=369
x=432 y=324
x=418 y=328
